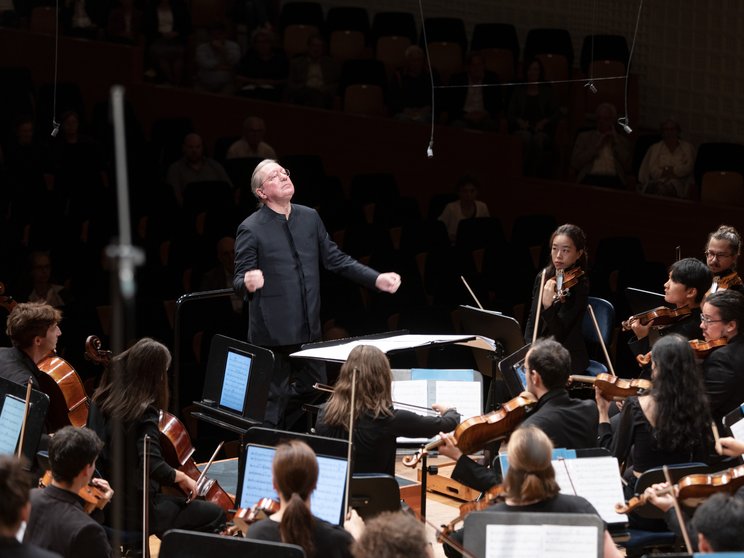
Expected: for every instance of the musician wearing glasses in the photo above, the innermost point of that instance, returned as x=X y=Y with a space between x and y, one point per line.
x=723 y=368
x=278 y=253
x=721 y=253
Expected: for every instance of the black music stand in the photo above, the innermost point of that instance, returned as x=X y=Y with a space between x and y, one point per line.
x=38 y=407
x=370 y=494
x=507 y=336
x=191 y=544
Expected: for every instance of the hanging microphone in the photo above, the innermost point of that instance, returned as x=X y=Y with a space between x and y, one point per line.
x=55 y=128
x=624 y=122
x=591 y=86
x=430 y=149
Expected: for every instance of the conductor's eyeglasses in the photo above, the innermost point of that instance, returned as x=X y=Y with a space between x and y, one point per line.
x=276 y=174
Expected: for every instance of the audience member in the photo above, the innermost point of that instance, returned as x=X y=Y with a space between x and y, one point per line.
x=194 y=166
x=667 y=168
x=601 y=157
x=167 y=27
x=533 y=116
x=313 y=77
x=393 y=535
x=216 y=61
x=58 y=520
x=263 y=71
x=475 y=102
x=466 y=207
x=221 y=276
x=410 y=87
x=126 y=23
x=81 y=18
x=251 y=144
x=15 y=508
x=42 y=287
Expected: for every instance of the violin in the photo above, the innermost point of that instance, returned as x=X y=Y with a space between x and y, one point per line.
x=564 y=280
x=612 y=387
x=175 y=442
x=660 y=316
x=476 y=432
x=694 y=487
x=700 y=347
x=725 y=282
x=262 y=509
x=492 y=496
x=93 y=497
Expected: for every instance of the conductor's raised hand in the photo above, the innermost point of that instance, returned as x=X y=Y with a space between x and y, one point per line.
x=388 y=282
x=253 y=280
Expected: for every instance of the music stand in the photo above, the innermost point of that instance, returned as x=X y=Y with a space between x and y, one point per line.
x=38 y=407
x=178 y=543
x=476 y=529
x=370 y=494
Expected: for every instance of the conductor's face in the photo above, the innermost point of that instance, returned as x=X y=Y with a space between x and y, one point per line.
x=276 y=186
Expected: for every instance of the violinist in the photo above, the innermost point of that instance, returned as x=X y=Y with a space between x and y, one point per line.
x=688 y=282
x=669 y=425
x=569 y=423
x=15 y=508
x=562 y=310
x=721 y=253
x=33 y=328
x=393 y=535
x=530 y=485
x=376 y=423
x=130 y=396
x=723 y=312
x=295 y=474
x=58 y=521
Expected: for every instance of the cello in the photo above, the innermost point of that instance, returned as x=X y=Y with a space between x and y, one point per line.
x=175 y=442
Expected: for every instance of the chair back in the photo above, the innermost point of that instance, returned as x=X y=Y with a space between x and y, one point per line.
x=604 y=311
x=178 y=543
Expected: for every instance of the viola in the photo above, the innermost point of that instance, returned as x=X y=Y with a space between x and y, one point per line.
x=612 y=387
x=564 y=280
x=694 y=487
x=660 y=316
x=475 y=433
x=175 y=443
x=262 y=509
x=93 y=497
x=700 y=347
x=725 y=282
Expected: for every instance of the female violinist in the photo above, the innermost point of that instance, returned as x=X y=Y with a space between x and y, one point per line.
x=721 y=252
x=376 y=423
x=723 y=312
x=130 y=397
x=295 y=474
x=688 y=282
x=530 y=484
x=669 y=425
x=562 y=309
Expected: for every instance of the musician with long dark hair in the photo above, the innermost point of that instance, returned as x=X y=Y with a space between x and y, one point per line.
x=295 y=475
x=561 y=313
x=130 y=396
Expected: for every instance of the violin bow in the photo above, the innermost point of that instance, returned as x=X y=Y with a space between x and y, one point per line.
x=539 y=306
x=475 y=298
x=678 y=511
x=351 y=441
x=601 y=341
x=25 y=419
x=716 y=438
x=427 y=410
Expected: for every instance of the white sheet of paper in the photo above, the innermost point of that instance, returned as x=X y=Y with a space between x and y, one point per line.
x=551 y=541
x=595 y=478
x=413 y=392
x=737 y=429
x=466 y=396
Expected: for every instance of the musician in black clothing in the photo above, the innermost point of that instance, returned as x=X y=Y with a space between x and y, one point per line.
x=569 y=423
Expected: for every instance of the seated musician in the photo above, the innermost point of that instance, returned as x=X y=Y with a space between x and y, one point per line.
x=723 y=311
x=561 y=315
x=376 y=423
x=671 y=424
x=393 y=535
x=295 y=473
x=33 y=329
x=569 y=423
x=530 y=485
x=721 y=253
x=15 y=508
x=58 y=521
x=130 y=395
x=689 y=280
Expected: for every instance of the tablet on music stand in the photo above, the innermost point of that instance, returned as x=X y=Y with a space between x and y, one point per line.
x=513 y=370
x=12 y=406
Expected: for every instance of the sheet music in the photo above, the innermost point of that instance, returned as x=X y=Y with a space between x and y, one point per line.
x=340 y=353
x=737 y=429
x=595 y=478
x=257 y=477
x=412 y=392
x=235 y=382
x=11 y=421
x=552 y=541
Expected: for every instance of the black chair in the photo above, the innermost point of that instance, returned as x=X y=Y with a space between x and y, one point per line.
x=718 y=157
x=378 y=188
x=397 y=24
x=221 y=146
x=369 y=72
x=549 y=41
x=177 y=543
x=604 y=47
x=445 y=30
x=495 y=35
x=347 y=18
x=301 y=13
